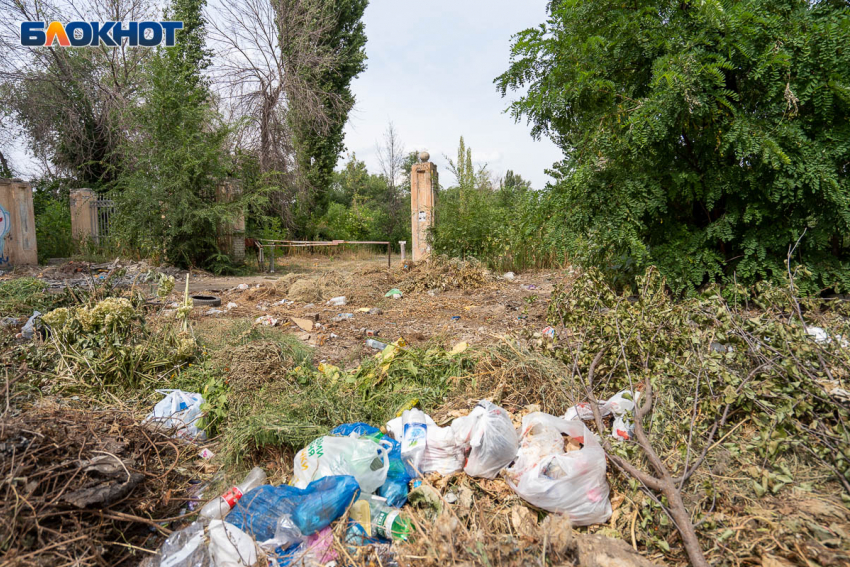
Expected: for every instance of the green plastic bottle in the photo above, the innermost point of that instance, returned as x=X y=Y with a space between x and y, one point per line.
x=387 y=521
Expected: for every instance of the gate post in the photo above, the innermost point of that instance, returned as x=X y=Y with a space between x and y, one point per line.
x=17 y=224
x=423 y=198
x=83 y=215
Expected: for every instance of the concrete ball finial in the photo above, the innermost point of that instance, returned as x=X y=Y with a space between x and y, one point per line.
x=424 y=156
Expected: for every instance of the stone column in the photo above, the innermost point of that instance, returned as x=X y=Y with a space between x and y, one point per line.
x=83 y=214
x=423 y=199
x=17 y=224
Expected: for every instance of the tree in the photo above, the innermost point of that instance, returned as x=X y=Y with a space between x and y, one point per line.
x=702 y=137
x=317 y=149
x=168 y=205
x=391 y=159
x=71 y=102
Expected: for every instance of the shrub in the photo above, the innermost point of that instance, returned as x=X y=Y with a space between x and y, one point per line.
x=705 y=138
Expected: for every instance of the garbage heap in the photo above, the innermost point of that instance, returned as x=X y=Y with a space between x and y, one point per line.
x=366 y=475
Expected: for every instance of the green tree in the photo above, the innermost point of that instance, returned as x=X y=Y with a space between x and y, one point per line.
x=168 y=203
x=703 y=137
x=318 y=148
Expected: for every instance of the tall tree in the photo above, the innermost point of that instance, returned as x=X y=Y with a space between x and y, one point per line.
x=169 y=200
x=317 y=149
x=702 y=137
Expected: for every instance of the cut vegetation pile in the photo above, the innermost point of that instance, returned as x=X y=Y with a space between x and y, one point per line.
x=441 y=273
x=325 y=285
x=85 y=487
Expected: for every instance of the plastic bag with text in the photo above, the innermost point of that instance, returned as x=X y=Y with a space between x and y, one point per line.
x=364 y=459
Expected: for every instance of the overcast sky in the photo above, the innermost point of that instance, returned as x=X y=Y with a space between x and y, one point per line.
x=430 y=70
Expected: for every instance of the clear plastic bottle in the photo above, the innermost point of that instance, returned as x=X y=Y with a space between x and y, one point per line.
x=387 y=522
x=375 y=344
x=218 y=508
x=414 y=436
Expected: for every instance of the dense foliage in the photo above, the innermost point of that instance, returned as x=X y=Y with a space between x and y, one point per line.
x=501 y=222
x=703 y=137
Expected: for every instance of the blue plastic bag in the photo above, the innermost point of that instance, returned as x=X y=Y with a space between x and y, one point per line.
x=400 y=474
x=311 y=509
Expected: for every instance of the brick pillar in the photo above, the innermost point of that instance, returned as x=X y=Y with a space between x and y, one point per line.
x=83 y=215
x=17 y=224
x=423 y=199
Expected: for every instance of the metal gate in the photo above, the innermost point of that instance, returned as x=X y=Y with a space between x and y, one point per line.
x=102 y=210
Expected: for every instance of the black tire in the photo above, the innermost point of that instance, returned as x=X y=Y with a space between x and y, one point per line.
x=205 y=300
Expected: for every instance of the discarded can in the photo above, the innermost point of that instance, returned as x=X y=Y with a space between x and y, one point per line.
x=375 y=344
x=370 y=332
x=549 y=332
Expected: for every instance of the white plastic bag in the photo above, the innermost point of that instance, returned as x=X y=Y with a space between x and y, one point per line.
x=563 y=483
x=364 y=459
x=231 y=547
x=217 y=545
x=491 y=438
x=619 y=405
x=181 y=411
x=442 y=453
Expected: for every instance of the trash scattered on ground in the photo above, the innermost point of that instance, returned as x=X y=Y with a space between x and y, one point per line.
x=619 y=405
x=231 y=305
x=343 y=316
x=206 y=454
x=214 y=311
x=491 y=437
x=242 y=287
x=549 y=332
x=179 y=411
x=266 y=320
x=393 y=293
x=560 y=481
x=364 y=459
x=218 y=543
x=29 y=328
x=218 y=508
x=376 y=311
x=303 y=324
x=372 y=343
x=335 y=301
x=508 y=276
x=455 y=318
x=9 y=321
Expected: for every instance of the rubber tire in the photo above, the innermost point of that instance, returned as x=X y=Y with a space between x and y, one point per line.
x=205 y=300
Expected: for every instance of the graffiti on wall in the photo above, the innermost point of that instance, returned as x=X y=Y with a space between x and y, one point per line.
x=5 y=227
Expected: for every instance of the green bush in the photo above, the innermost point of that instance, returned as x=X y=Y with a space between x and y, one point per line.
x=702 y=137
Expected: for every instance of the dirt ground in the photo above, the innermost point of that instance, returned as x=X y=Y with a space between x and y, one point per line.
x=496 y=308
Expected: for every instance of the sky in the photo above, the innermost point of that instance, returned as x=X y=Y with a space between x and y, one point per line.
x=430 y=71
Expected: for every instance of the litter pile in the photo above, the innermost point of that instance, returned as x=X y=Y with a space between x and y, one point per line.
x=366 y=475
x=85 y=488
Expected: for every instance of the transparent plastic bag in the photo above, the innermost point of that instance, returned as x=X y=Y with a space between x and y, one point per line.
x=364 y=459
x=181 y=411
x=490 y=437
x=561 y=482
x=217 y=544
